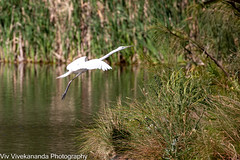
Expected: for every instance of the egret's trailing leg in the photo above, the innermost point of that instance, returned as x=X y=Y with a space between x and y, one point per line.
x=69 y=83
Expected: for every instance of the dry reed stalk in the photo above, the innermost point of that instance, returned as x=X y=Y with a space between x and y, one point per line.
x=85 y=28
x=59 y=11
x=20 y=45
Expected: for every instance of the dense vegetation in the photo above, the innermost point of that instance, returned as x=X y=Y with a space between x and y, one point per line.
x=189 y=113
x=191 y=110
x=57 y=31
x=182 y=118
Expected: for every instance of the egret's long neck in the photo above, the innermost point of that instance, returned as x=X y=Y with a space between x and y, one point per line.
x=109 y=54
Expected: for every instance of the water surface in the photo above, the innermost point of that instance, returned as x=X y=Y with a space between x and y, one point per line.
x=34 y=119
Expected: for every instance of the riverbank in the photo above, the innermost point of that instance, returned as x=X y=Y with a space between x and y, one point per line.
x=184 y=117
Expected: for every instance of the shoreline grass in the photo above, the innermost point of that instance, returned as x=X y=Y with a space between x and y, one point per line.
x=181 y=118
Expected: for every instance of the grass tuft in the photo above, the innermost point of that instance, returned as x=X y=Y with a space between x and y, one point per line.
x=180 y=119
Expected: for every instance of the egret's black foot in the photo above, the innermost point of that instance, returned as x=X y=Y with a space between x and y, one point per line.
x=63 y=96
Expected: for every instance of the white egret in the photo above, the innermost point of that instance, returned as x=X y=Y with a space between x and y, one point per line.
x=82 y=64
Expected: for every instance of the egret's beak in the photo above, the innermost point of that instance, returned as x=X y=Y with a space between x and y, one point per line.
x=128 y=46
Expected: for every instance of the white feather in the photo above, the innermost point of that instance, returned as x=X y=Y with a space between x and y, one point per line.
x=72 y=66
x=65 y=74
x=96 y=64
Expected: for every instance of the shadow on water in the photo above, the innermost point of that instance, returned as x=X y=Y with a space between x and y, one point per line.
x=34 y=119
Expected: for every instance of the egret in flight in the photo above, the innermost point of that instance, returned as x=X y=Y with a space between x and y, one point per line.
x=82 y=64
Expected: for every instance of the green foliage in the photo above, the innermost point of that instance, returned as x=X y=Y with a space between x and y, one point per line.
x=53 y=31
x=61 y=30
x=219 y=25
x=24 y=28
x=180 y=119
x=209 y=30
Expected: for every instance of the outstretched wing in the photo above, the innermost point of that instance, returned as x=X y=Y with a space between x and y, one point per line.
x=75 y=64
x=96 y=64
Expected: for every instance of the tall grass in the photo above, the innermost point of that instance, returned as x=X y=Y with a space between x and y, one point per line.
x=181 y=118
x=52 y=31
x=59 y=31
x=219 y=138
x=208 y=33
x=26 y=31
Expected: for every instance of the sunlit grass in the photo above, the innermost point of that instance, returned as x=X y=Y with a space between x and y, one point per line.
x=180 y=119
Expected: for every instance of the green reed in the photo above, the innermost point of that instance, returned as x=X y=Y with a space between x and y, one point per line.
x=58 y=31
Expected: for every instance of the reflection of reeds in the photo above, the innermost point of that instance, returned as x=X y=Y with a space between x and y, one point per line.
x=37 y=84
x=31 y=105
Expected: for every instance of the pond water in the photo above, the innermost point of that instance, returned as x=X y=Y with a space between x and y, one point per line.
x=34 y=119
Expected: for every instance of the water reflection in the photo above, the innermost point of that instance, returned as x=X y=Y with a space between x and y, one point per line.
x=34 y=119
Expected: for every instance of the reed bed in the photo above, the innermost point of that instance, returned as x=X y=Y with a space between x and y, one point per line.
x=59 y=31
